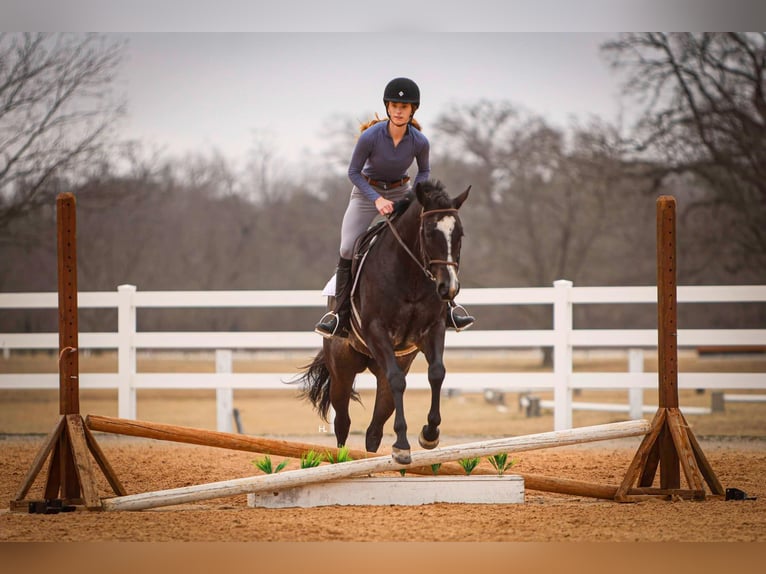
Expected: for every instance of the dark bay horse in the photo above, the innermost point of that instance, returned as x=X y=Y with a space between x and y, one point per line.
x=398 y=308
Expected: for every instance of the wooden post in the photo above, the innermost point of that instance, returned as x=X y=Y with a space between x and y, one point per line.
x=70 y=473
x=667 y=334
x=667 y=311
x=670 y=444
x=69 y=391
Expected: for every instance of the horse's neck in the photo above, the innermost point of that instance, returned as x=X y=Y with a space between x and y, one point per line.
x=408 y=226
x=406 y=231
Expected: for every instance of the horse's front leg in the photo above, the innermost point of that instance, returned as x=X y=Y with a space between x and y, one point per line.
x=383 y=352
x=384 y=403
x=384 y=408
x=433 y=350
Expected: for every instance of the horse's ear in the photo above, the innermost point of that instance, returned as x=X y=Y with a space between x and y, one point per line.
x=458 y=201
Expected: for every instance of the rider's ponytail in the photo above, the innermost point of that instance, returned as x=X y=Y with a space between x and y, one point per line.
x=377 y=119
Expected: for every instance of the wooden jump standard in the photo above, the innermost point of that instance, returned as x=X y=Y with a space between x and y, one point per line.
x=70 y=479
x=324 y=473
x=670 y=441
x=231 y=441
x=70 y=473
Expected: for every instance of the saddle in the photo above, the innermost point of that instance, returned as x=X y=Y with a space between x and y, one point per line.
x=364 y=244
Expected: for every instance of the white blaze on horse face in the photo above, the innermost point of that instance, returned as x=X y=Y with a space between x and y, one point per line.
x=447 y=225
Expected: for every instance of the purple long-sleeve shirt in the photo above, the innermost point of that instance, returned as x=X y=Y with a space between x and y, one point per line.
x=376 y=157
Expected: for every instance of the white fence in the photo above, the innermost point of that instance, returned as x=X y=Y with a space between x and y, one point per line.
x=563 y=338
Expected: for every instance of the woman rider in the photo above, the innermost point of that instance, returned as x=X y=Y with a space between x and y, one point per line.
x=384 y=152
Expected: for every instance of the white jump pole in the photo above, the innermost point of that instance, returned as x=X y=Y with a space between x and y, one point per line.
x=323 y=473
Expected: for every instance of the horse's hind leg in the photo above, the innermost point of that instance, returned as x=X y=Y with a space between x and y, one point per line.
x=339 y=399
x=343 y=366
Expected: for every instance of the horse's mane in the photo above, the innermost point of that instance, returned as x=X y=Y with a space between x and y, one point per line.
x=437 y=196
x=433 y=192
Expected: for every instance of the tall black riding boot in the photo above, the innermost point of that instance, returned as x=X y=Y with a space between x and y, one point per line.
x=336 y=322
x=460 y=320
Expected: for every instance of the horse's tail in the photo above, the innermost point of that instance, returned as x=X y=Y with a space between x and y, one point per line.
x=316 y=384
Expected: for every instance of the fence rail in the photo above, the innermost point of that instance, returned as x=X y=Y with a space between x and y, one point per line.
x=563 y=338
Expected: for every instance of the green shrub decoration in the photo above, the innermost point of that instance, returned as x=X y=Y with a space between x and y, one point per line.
x=265 y=466
x=469 y=464
x=500 y=462
x=343 y=456
x=311 y=459
x=435 y=468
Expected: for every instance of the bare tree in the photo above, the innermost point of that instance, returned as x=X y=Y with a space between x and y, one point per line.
x=705 y=114
x=340 y=133
x=263 y=170
x=541 y=197
x=56 y=108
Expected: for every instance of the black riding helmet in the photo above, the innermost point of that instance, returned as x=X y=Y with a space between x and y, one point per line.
x=402 y=90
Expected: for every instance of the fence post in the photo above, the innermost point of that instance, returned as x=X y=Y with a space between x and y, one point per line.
x=636 y=394
x=717 y=402
x=126 y=351
x=224 y=396
x=562 y=355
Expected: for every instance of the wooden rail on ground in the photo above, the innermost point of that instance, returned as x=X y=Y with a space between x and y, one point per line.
x=290 y=479
x=291 y=449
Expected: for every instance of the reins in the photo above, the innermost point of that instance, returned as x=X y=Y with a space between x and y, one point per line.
x=423 y=263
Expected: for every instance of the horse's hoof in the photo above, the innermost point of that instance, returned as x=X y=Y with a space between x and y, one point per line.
x=428 y=444
x=401 y=456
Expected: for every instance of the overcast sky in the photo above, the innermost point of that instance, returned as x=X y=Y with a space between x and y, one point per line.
x=193 y=92
x=203 y=74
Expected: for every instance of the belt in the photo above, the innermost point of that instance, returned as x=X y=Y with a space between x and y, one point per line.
x=387 y=184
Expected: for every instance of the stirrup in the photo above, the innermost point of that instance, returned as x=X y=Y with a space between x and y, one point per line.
x=327 y=329
x=466 y=320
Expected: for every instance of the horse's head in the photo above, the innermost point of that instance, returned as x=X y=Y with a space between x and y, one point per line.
x=441 y=233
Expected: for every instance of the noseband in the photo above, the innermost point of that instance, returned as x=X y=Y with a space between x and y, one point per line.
x=425 y=261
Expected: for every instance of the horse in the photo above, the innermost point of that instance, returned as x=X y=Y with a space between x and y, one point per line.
x=398 y=302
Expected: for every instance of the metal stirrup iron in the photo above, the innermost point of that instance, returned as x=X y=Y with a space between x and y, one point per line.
x=466 y=319
x=325 y=327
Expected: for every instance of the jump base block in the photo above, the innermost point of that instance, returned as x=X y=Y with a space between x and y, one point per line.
x=396 y=491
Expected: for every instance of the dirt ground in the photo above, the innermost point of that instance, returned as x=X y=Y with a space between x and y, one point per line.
x=144 y=465
x=734 y=442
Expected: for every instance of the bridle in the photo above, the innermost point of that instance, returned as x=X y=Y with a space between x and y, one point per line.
x=425 y=262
